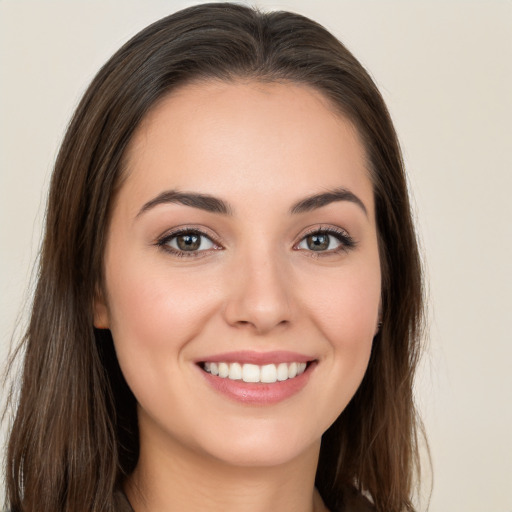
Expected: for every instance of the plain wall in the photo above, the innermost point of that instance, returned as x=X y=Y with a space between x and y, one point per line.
x=445 y=70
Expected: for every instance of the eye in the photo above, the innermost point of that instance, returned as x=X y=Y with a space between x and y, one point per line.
x=326 y=240
x=185 y=241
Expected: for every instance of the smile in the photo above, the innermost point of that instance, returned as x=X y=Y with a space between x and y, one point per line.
x=258 y=378
x=253 y=373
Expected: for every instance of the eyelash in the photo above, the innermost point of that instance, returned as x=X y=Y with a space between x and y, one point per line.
x=166 y=239
x=346 y=242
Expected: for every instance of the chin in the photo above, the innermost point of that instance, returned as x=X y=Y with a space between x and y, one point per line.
x=265 y=445
x=266 y=456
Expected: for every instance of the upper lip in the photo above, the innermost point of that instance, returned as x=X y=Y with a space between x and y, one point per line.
x=259 y=358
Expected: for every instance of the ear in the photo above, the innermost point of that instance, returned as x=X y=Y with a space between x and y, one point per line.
x=100 y=310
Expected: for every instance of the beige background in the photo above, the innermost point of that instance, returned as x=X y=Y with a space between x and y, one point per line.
x=445 y=70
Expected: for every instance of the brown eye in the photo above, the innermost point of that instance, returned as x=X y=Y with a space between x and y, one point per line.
x=329 y=241
x=318 y=242
x=188 y=242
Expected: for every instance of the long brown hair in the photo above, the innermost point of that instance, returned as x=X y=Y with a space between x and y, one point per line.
x=74 y=437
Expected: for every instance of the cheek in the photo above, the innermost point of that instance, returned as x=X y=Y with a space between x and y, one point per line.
x=152 y=305
x=345 y=305
x=154 y=313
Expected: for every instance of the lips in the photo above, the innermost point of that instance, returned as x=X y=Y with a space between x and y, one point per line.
x=257 y=378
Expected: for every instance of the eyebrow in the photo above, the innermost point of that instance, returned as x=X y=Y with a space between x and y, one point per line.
x=318 y=200
x=195 y=200
x=215 y=205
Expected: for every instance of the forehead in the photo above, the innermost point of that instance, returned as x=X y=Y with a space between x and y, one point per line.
x=247 y=138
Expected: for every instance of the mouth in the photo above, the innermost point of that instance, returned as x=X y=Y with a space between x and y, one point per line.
x=252 y=378
x=253 y=373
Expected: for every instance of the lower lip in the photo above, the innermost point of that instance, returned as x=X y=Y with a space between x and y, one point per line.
x=259 y=393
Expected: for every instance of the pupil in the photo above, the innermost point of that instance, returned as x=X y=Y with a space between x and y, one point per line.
x=318 y=242
x=189 y=242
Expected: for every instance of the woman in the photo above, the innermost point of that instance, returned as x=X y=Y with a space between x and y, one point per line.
x=228 y=308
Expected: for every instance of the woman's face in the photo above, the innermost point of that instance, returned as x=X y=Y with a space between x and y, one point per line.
x=242 y=242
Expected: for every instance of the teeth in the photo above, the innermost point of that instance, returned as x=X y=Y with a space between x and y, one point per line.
x=250 y=373
x=282 y=371
x=268 y=373
x=235 y=371
x=223 y=370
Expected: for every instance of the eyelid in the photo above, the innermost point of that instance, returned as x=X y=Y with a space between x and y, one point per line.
x=163 y=240
x=346 y=241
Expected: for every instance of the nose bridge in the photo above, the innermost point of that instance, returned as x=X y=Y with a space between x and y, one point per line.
x=261 y=292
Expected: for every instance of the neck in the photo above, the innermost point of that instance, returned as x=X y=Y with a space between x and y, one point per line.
x=178 y=479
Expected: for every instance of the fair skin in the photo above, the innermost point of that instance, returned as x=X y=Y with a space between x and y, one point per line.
x=263 y=280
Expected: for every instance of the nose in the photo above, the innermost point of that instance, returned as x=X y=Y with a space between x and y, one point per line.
x=260 y=296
